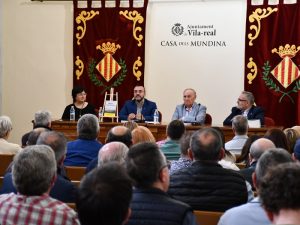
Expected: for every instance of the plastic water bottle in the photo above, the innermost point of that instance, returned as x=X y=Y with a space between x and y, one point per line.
x=72 y=113
x=156 y=116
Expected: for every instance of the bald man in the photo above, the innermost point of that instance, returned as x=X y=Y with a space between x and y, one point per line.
x=113 y=151
x=190 y=111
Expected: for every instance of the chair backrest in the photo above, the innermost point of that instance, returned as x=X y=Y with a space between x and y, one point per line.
x=75 y=173
x=208 y=119
x=72 y=205
x=207 y=217
x=5 y=160
x=269 y=121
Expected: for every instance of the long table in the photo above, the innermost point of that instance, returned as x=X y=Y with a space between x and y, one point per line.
x=158 y=130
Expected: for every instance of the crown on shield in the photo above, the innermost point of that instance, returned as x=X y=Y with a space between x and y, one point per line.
x=108 y=47
x=287 y=50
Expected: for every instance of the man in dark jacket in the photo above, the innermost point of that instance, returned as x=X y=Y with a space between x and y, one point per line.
x=147 y=166
x=206 y=185
x=245 y=106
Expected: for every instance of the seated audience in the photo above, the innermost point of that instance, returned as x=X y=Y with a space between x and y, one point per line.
x=244 y=156
x=34 y=135
x=142 y=134
x=190 y=111
x=112 y=152
x=206 y=185
x=278 y=137
x=80 y=104
x=139 y=108
x=292 y=136
x=245 y=107
x=279 y=193
x=256 y=150
x=5 y=129
x=240 y=129
x=296 y=128
x=83 y=150
x=296 y=153
x=42 y=119
x=184 y=161
x=104 y=196
x=171 y=146
x=252 y=212
x=118 y=133
x=148 y=168
x=63 y=189
x=33 y=175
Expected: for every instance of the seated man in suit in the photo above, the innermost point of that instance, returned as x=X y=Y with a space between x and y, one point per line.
x=190 y=111
x=139 y=108
x=245 y=106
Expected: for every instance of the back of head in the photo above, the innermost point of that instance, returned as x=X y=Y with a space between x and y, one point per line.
x=240 y=124
x=34 y=135
x=221 y=133
x=249 y=96
x=185 y=142
x=88 y=127
x=206 y=144
x=144 y=162
x=57 y=141
x=259 y=146
x=280 y=187
x=34 y=169
x=104 y=196
x=112 y=151
x=42 y=118
x=268 y=160
x=5 y=126
x=120 y=134
x=142 y=134
x=297 y=150
x=175 y=129
x=291 y=136
x=278 y=137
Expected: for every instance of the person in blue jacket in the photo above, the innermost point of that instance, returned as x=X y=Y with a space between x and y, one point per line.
x=139 y=108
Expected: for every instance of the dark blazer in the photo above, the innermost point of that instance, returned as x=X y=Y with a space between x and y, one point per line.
x=130 y=107
x=63 y=190
x=255 y=113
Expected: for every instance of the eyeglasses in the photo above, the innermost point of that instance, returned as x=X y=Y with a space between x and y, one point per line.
x=242 y=100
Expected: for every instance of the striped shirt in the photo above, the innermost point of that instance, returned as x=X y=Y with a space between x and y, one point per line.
x=38 y=210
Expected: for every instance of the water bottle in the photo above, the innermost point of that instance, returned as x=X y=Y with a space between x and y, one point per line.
x=72 y=113
x=156 y=116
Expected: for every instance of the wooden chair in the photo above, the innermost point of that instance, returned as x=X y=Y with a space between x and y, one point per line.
x=72 y=205
x=207 y=217
x=5 y=160
x=75 y=173
x=269 y=122
x=208 y=119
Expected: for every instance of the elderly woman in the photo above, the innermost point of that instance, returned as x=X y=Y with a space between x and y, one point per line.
x=80 y=104
x=142 y=134
x=5 y=129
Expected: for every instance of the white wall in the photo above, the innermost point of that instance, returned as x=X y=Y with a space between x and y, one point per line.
x=37 y=58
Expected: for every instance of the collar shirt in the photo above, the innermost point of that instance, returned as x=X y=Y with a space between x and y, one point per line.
x=139 y=106
x=36 y=210
x=187 y=111
x=236 y=144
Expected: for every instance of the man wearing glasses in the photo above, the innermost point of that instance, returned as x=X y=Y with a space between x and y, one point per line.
x=245 y=106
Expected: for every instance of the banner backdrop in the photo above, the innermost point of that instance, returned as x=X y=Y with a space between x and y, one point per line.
x=272 y=59
x=109 y=47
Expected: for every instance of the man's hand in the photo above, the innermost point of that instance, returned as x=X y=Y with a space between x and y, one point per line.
x=131 y=116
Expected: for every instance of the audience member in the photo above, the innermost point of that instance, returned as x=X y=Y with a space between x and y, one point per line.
x=112 y=151
x=279 y=139
x=33 y=174
x=104 y=196
x=296 y=153
x=292 y=136
x=279 y=193
x=118 y=133
x=5 y=129
x=256 y=150
x=80 y=104
x=81 y=151
x=139 y=108
x=184 y=161
x=171 y=146
x=296 y=128
x=252 y=212
x=205 y=185
x=142 y=134
x=147 y=166
x=190 y=111
x=42 y=119
x=245 y=106
x=63 y=189
x=240 y=130
x=244 y=156
x=34 y=135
